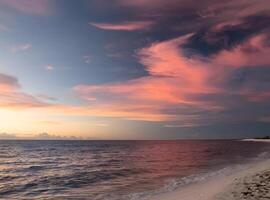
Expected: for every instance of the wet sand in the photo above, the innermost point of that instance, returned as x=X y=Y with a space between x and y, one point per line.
x=251 y=183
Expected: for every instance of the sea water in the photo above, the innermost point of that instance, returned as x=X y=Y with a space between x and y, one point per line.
x=116 y=170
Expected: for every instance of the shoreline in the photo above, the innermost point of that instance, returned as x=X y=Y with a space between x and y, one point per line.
x=217 y=188
x=256 y=140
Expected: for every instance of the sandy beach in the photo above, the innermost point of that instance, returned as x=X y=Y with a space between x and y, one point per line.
x=253 y=187
x=252 y=183
x=256 y=140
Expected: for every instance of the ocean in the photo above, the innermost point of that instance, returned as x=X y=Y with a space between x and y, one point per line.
x=116 y=170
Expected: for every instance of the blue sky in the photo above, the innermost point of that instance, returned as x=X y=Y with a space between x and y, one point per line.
x=135 y=70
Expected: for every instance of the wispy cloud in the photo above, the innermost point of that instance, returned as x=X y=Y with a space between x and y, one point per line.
x=100 y=125
x=21 y=47
x=187 y=90
x=49 y=67
x=183 y=125
x=124 y=26
x=33 y=7
x=12 y=97
x=173 y=78
x=50 y=122
x=253 y=52
x=208 y=8
x=87 y=59
x=46 y=97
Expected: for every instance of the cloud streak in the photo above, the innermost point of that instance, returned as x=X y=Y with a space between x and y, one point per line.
x=49 y=67
x=21 y=47
x=32 y=7
x=12 y=98
x=124 y=26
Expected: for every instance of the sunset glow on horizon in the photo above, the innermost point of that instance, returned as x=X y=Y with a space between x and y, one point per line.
x=120 y=69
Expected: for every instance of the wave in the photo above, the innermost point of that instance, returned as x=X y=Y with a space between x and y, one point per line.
x=179 y=183
x=118 y=170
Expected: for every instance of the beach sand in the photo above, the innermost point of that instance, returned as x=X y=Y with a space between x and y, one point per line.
x=256 y=140
x=253 y=187
x=252 y=183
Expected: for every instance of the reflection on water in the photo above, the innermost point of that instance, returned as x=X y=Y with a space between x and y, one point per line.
x=112 y=170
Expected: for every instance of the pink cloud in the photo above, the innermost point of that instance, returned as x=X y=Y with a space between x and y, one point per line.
x=174 y=81
x=169 y=92
x=139 y=112
x=170 y=71
x=213 y=9
x=125 y=26
x=258 y=97
x=222 y=25
x=183 y=125
x=148 y=3
x=33 y=7
x=173 y=78
x=253 y=52
x=8 y=82
x=49 y=67
x=11 y=96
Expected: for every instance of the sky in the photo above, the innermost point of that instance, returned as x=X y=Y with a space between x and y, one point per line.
x=144 y=69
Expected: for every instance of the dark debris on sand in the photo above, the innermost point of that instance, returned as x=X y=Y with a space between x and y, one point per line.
x=256 y=187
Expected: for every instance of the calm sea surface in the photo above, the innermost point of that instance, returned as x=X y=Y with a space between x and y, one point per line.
x=115 y=170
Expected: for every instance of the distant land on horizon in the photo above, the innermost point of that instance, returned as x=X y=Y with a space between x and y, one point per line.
x=46 y=136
